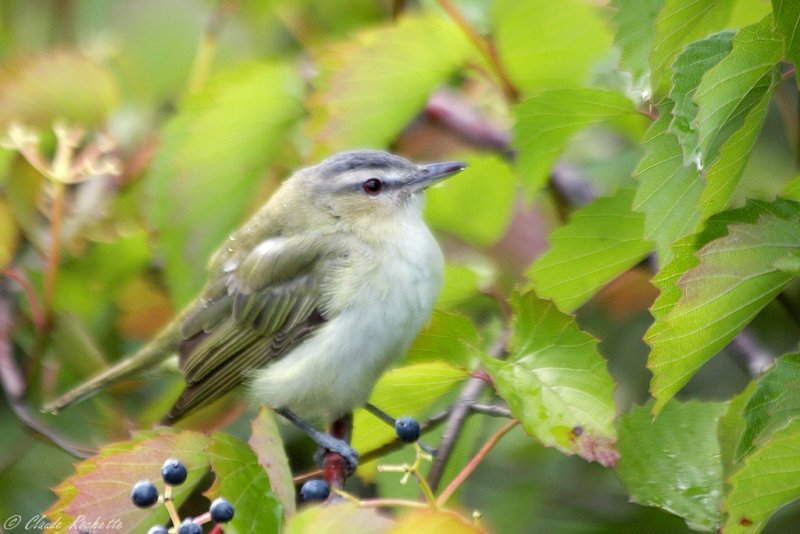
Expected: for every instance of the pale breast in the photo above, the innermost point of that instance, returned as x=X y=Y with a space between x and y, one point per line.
x=379 y=302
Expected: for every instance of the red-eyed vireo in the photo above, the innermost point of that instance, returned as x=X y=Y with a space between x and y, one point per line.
x=313 y=298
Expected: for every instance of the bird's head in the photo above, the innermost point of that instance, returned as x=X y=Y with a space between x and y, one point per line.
x=370 y=185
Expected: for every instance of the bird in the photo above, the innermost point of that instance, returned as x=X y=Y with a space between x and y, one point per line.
x=311 y=300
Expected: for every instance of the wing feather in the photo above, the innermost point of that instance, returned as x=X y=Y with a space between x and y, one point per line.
x=271 y=301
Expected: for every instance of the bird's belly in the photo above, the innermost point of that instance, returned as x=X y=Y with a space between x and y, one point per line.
x=334 y=370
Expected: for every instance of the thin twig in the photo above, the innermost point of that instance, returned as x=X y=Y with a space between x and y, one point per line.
x=22 y=281
x=473 y=464
x=491 y=410
x=510 y=92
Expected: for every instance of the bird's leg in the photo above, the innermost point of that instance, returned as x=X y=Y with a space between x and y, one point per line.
x=333 y=444
x=335 y=466
x=389 y=420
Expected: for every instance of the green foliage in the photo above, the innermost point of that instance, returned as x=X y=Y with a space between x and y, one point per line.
x=772 y=403
x=545 y=122
x=673 y=462
x=136 y=136
x=488 y=184
x=351 y=107
x=768 y=481
x=215 y=149
x=600 y=242
x=554 y=61
x=556 y=383
x=733 y=280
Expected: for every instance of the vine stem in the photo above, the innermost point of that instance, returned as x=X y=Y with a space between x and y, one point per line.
x=204 y=58
x=54 y=254
x=510 y=92
x=473 y=464
x=36 y=310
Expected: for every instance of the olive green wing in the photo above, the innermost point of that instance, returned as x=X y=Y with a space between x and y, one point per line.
x=257 y=309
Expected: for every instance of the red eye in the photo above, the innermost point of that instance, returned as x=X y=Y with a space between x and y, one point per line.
x=372 y=187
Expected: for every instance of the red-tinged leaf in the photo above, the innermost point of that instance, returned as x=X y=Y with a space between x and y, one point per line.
x=99 y=494
x=265 y=440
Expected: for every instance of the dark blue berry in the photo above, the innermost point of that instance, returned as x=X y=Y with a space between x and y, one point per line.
x=173 y=472
x=315 y=489
x=407 y=429
x=158 y=529
x=144 y=494
x=221 y=511
x=190 y=527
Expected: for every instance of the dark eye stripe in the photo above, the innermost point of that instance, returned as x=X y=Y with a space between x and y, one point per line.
x=372 y=187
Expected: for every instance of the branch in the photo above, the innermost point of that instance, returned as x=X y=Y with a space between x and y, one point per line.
x=470 y=394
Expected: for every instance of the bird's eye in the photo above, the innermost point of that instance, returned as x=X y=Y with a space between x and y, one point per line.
x=372 y=187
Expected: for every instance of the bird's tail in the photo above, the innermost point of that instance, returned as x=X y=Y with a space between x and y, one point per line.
x=158 y=350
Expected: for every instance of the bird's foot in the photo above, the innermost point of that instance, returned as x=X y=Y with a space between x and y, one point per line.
x=339 y=447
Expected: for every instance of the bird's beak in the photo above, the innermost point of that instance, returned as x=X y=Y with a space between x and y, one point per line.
x=428 y=175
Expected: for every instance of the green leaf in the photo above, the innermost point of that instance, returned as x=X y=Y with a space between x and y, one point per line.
x=101 y=486
x=684 y=259
x=213 y=154
x=789 y=263
x=787 y=20
x=792 y=190
x=488 y=187
x=353 y=106
x=555 y=60
x=407 y=390
x=460 y=283
x=60 y=85
x=635 y=20
x=600 y=242
x=679 y=23
x=241 y=480
x=668 y=190
x=449 y=338
x=730 y=428
x=769 y=479
x=689 y=67
x=673 y=462
x=265 y=440
x=556 y=383
x=545 y=122
x=733 y=279
x=724 y=174
x=736 y=85
x=774 y=402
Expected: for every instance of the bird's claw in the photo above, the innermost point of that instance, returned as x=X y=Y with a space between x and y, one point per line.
x=345 y=451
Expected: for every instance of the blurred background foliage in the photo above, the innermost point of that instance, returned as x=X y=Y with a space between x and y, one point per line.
x=198 y=109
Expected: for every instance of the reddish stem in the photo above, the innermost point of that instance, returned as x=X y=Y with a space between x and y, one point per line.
x=473 y=464
x=30 y=294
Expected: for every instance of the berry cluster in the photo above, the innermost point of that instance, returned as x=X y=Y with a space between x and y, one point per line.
x=174 y=473
x=407 y=430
